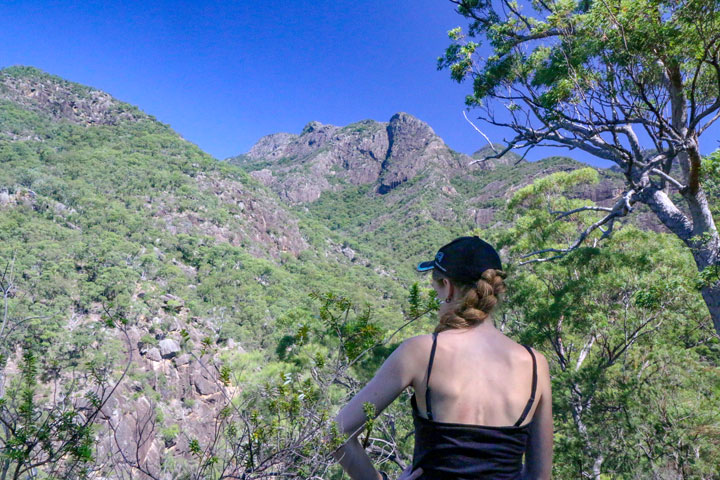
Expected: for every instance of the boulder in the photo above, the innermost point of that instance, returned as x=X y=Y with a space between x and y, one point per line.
x=203 y=381
x=172 y=302
x=183 y=359
x=233 y=345
x=168 y=348
x=204 y=386
x=153 y=354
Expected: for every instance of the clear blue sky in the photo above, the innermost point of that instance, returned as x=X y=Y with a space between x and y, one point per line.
x=225 y=73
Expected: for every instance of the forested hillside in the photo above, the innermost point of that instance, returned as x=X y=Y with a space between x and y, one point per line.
x=108 y=212
x=212 y=316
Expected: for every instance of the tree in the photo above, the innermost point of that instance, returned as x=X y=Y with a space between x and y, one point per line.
x=633 y=358
x=636 y=82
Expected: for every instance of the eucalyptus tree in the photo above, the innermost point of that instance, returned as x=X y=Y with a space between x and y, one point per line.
x=636 y=82
x=634 y=358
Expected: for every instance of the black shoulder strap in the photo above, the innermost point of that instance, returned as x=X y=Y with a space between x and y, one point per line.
x=532 y=392
x=427 y=384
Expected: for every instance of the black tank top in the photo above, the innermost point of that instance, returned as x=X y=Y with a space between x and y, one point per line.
x=464 y=451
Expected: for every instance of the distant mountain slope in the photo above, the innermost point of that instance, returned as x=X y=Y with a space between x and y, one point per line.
x=88 y=162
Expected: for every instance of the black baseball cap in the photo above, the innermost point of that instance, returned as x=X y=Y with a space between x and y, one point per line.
x=464 y=259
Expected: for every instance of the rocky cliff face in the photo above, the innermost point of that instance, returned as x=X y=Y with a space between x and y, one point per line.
x=413 y=148
x=171 y=394
x=62 y=100
x=264 y=228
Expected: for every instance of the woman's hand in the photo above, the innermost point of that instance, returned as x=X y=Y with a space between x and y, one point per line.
x=408 y=474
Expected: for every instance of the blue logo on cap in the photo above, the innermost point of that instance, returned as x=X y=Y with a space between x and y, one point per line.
x=438 y=258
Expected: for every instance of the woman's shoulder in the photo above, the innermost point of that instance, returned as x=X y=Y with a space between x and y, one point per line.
x=540 y=359
x=541 y=363
x=521 y=351
x=417 y=344
x=415 y=350
x=420 y=345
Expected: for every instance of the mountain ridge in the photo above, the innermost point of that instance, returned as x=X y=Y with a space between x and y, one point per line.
x=61 y=99
x=400 y=178
x=299 y=167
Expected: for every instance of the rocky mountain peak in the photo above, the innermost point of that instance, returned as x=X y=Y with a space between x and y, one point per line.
x=271 y=146
x=405 y=123
x=386 y=154
x=314 y=135
x=413 y=148
x=311 y=127
x=279 y=146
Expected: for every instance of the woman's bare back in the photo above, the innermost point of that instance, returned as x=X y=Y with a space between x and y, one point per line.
x=479 y=377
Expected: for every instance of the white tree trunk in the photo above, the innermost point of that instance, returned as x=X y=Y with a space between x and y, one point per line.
x=699 y=234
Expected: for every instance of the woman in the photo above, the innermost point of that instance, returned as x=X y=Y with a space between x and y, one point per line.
x=489 y=401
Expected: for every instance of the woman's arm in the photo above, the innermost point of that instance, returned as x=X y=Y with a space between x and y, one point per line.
x=539 y=455
x=355 y=461
x=394 y=376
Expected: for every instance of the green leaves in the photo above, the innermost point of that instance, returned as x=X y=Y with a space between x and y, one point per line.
x=414 y=300
x=538 y=192
x=421 y=302
x=370 y=414
x=356 y=333
x=564 y=52
x=619 y=325
x=225 y=373
x=194 y=446
x=458 y=56
x=657 y=296
x=40 y=431
x=708 y=276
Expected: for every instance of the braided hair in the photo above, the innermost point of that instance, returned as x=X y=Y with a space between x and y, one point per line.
x=476 y=302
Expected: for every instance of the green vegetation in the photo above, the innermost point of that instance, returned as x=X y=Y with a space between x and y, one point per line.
x=123 y=229
x=378 y=227
x=633 y=356
x=361 y=127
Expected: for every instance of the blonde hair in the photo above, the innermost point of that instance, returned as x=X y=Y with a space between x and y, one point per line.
x=477 y=300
